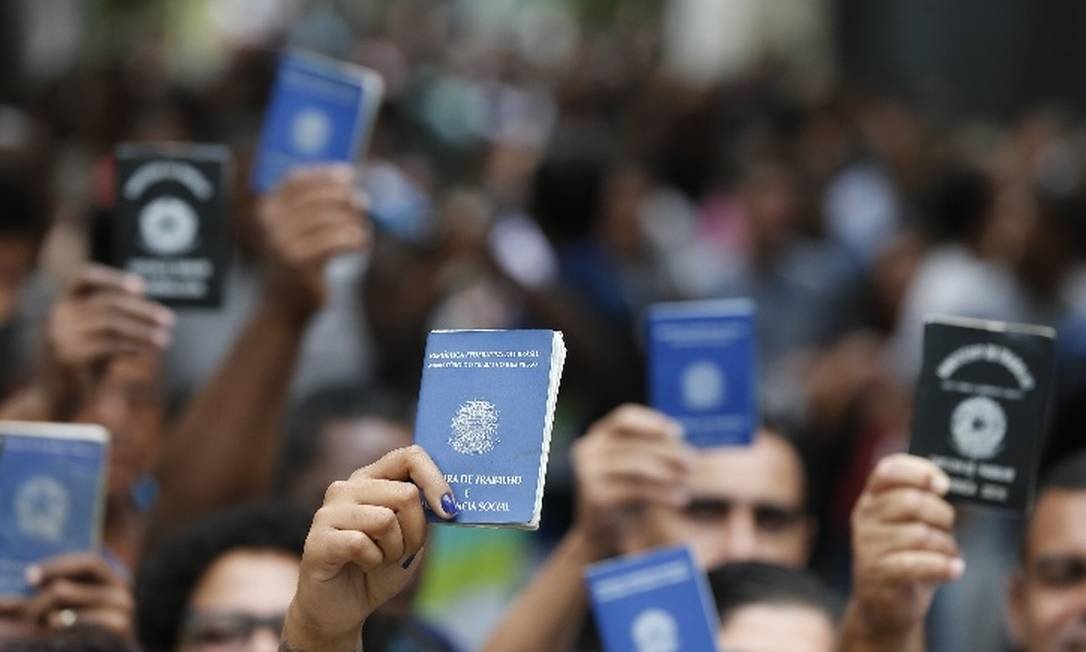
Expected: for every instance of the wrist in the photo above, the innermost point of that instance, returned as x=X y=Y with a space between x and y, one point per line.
x=862 y=632
x=301 y=633
x=586 y=545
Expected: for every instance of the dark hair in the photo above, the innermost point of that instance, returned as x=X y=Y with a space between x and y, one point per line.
x=170 y=572
x=332 y=403
x=745 y=584
x=1069 y=473
x=80 y=638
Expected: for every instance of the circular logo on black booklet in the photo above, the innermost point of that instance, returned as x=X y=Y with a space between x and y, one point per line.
x=168 y=226
x=978 y=426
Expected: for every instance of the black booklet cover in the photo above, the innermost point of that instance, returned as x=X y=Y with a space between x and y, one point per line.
x=981 y=403
x=170 y=221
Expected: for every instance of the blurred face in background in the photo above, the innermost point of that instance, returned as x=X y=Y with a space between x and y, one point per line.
x=239 y=603
x=777 y=628
x=16 y=262
x=771 y=200
x=747 y=505
x=127 y=400
x=1048 y=594
x=344 y=446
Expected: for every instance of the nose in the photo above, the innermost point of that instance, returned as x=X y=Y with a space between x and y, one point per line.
x=741 y=535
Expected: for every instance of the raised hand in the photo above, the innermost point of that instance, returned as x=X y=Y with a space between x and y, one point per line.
x=82 y=589
x=632 y=457
x=313 y=216
x=361 y=548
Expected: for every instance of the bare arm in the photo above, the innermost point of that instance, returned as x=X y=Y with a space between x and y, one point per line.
x=225 y=445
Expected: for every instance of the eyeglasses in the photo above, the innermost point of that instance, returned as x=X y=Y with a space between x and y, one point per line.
x=226 y=630
x=1059 y=571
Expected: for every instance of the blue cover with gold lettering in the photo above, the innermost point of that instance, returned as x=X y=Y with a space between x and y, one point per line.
x=485 y=414
x=50 y=501
x=319 y=112
x=702 y=365
x=654 y=601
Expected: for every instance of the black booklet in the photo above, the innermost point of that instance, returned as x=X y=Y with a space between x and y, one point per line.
x=981 y=404
x=170 y=221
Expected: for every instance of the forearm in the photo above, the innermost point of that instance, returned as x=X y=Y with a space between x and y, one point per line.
x=301 y=636
x=225 y=445
x=857 y=636
x=548 y=615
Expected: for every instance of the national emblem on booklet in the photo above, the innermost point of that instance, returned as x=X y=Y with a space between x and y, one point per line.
x=702 y=368
x=52 y=489
x=170 y=222
x=653 y=602
x=321 y=111
x=981 y=403
x=485 y=415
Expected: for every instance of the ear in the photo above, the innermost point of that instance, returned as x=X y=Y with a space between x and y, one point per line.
x=1016 y=607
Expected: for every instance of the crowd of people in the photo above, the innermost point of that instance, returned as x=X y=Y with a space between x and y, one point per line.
x=262 y=482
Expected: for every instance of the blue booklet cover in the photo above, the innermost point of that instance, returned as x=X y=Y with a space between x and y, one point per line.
x=321 y=111
x=52 y=486
x=653 y=601
x=486 y=409
x=702 y=364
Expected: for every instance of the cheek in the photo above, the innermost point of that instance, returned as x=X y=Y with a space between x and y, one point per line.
x=1047 y=612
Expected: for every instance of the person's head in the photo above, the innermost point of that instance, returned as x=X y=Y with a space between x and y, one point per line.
x=126 y=399
x=1048 y=592
x=335 y=431
x=224 y=584
x=747 y=503
x=766 y=608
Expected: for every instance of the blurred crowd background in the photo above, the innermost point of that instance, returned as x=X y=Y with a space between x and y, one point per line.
x=851 y=166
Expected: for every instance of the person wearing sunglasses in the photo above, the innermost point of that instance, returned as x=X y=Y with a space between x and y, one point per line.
x=905 y=549
x=249 y=578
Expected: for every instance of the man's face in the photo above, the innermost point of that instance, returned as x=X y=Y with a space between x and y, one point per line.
x=1048 y=595
x=777 y=628
x=747 y=505
x=239 y=603
x=126 y=400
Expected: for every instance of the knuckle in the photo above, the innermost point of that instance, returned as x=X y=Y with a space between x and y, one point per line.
x=335 y=490
x=384 y=519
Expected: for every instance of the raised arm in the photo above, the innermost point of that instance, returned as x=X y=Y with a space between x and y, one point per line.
x=903 y=548
x=224 y=447
x=634 y=456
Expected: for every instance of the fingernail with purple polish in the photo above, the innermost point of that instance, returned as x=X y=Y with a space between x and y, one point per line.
x=448 y=505
x=407 y=562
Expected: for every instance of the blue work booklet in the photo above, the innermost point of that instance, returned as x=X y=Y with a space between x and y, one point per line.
x=321 y=111
x=52 y=487
x=657 y=601
x=486 y=409
x=702 y=365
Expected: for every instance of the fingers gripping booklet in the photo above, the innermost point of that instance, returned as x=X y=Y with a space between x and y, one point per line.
x=52 y=488
x=486 y=410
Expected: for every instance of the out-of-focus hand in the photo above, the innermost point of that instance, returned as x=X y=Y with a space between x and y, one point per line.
x=314 y=215
x=903 y=547
x=80 y=589
x=361 y=547
x=101 y=313
x=634 y=456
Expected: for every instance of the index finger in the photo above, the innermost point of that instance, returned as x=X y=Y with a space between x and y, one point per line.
x=901 y=471
x=414 y=464
x=86 y=565
x=95 y=277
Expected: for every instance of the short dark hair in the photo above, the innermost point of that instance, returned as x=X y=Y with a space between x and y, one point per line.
x=1069 y=474
x=171 y=571
x=745 y=584
x=344 y=402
